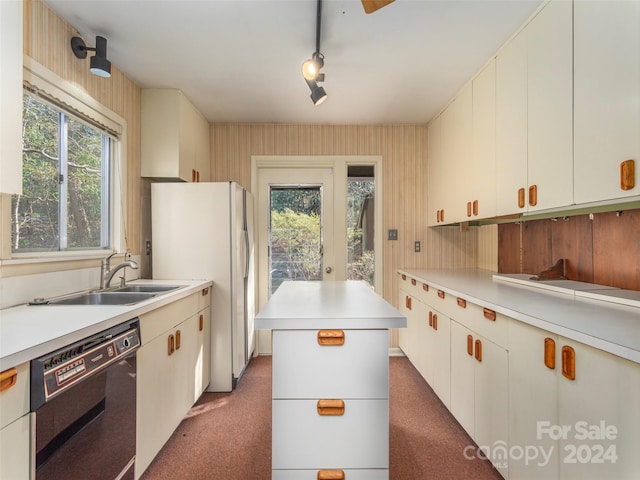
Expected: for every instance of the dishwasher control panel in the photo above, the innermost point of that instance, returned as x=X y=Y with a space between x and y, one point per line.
x=60 y=370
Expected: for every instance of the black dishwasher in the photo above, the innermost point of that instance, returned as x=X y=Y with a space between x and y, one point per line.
x=84 y=399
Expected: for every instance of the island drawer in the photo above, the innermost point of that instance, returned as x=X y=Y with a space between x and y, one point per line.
x=349 y=474
x=304 y=367
x=356 y=438
x=14 y=393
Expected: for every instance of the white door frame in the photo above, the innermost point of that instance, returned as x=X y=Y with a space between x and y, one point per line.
x=338 y=164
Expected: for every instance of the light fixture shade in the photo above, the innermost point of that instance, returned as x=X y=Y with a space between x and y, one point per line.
x=318 y=95
x=100 y=66
x=311 y=68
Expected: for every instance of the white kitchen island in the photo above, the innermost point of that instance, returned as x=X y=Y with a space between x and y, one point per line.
x=330 y=387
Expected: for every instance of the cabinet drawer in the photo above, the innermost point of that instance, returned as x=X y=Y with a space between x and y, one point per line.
x=14 y=399
x=304 y=439
x=204 y=298
x=480 y=320
x=14 y=449
x=158 y=321
x=349 y=474
x=412 y=286
x=302 y=368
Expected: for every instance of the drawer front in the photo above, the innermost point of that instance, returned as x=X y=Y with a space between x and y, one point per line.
x=204 y=298
x=156 y=322
x=412 y=286
x=303 y=439
x=302 y=368
x=14 y=397
x=349 y=474
x=489 y=324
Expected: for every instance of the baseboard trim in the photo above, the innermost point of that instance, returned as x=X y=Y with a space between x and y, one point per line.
x=396 y=352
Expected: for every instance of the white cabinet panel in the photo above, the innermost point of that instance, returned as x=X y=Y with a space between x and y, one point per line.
x=303 y=439
x=435 y=175
x=14 y=401
x=607 y=97
x=11 y=97
x=15 y=451
x=305 y=369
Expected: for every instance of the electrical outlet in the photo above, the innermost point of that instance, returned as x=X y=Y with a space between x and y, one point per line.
x=392 y=234
x=416 y=246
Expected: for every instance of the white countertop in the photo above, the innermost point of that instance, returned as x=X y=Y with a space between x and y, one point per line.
x=325 y=305
x=29 y=331
x=609 y=326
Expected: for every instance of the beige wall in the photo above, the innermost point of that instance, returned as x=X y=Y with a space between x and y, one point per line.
x=404 y=156
x=47 y=40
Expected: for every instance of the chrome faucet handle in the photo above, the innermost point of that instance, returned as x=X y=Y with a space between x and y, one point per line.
x=106 y=261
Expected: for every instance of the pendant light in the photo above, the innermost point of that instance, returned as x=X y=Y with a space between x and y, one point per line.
x=311 y=68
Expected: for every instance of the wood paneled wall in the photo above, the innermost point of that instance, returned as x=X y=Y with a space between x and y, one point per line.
x=404 y=174
x=603 y=248
x=47 y=40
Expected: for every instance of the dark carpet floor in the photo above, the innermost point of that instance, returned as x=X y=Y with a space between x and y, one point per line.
x=228 y=435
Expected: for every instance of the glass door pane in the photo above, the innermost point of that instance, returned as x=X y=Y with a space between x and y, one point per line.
x=295 y=240
x=360 y=223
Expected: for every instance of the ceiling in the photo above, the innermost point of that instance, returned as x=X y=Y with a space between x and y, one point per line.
x=239 y=61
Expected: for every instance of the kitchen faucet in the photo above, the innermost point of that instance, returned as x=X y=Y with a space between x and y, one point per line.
x=106 y=273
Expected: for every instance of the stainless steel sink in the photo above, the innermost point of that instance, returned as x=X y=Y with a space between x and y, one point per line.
x=147 y=288
x=104 y=298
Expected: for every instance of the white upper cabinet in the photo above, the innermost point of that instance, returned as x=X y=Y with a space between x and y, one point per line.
x=511 y=125
x=175 y=137
x=534 y=114
x=607 y=98
x=11 y=97
x=549 y=108
x=434 y=159
x=482 y=201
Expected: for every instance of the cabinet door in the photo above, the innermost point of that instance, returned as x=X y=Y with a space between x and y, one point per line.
x=154 y=401
x=404 y=334
x=533 y=395
x=491 y=426
x=549 y=107
x=15 y=455
x=203 y=352
x=483 y=173
x=11 y=97
x=462 y=378
x=419 y=338
x=434 y=158
x=511 y=124
x=600 y=411
x=438 y=350
x=607 y=97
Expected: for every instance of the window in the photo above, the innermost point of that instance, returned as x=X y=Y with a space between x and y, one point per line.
x=65 y=202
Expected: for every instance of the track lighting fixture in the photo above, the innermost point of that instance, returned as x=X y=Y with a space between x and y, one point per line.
x=99 y=64
x=311 y=68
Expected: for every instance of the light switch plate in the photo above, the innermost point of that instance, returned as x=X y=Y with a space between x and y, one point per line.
x=392 y=234
x=416 y=246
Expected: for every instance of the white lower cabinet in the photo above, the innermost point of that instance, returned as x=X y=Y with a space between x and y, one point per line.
x=573 y=407
x=330 y=404
x=15 y=454
x=171 y=367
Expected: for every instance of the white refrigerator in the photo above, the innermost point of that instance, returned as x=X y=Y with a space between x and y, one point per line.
x=205 y=231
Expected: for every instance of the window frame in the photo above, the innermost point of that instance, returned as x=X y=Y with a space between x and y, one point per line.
x=78 y=103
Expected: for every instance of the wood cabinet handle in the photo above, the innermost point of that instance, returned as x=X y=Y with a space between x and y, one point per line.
x=468 y=209
x=171 y=345
x=197 y=175
x=430 y=318
x=441 y=293
x=193 y=175
x=201 y=322
x=413 y=281
x=178 y=335
x=521 y=198
x=568 y=362
x=462 y=302
x=425 y=287
x=407 y=302
x=475 y=208
x=330 y=407
x=404 y=277
x=442 y=215
x=550 y=353
x=205 y=291
x=435 y=322
x=478 y=353
x=331 y=475
x=438 y=216
x=330 y=337
x=469 y=345
x=489 y=314
x=8 y=379
x=627 y=175
x=533 y=195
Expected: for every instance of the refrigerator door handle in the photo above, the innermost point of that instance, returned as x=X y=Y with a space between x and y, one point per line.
x=246 y=254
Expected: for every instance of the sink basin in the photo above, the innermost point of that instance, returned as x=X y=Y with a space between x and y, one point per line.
x=104 y=298
x=147 y=288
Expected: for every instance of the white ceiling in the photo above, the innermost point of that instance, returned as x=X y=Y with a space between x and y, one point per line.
x=239 y=60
